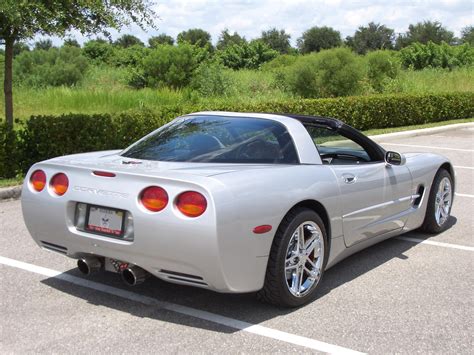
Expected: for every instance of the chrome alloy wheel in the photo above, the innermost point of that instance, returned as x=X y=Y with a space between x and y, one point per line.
x=304 y=258
x=443 y=201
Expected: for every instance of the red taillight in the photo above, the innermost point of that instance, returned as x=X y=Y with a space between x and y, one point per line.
x=38 y=180
x=154 y=198
x=191 y=204
x=59 y=184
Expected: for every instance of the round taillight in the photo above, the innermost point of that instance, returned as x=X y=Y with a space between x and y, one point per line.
x=191 y=203
x=38 y=180
x=154 y=198
x=59 y=184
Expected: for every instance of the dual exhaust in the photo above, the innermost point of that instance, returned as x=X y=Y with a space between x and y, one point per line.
x=131 y=276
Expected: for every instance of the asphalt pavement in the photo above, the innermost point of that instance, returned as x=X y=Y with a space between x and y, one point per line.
x=410 y=294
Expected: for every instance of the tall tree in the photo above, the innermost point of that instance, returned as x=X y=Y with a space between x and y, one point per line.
x=128 y=40
x=371 y=37
x=44 y=44
x=423 y=32
x=318 y=38
x=162 y=38
x=467 y=35
x=226 y=39
x=71 y=42
x=195 y=36
x=23 y=19
x=277 y=40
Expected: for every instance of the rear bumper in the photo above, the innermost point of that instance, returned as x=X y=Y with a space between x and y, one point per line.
x=166 y=244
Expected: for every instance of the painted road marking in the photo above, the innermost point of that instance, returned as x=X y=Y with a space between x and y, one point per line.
x=438 y=244
x=464 y=195
x=196 y=313
x=428 y=147
x=463 y=167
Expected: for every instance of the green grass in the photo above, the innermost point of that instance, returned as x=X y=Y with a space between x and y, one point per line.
x=373 y=132
x=104 y=90
x=10 y=182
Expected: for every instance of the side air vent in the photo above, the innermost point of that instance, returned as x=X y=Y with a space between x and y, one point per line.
x=419 y=198
x=179 y=276
x=54 y=247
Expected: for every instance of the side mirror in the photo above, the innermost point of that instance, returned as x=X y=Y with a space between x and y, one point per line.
x=394 y=158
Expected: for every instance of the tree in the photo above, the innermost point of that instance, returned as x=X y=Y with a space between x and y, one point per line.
x=374 y=36
x=23 y=19
x=277 y=40
x=71 y=42
x=195 y=36
x=226 y=39
x=44 y=44
x=128 y=40
x=19 y=47
x=423 y=32
x=162 y=38
x=318 y=38
x=467 y=35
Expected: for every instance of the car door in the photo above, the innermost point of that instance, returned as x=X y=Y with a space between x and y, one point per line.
x=374 y=197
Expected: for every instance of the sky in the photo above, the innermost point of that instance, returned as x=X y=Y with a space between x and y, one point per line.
x=250 y=17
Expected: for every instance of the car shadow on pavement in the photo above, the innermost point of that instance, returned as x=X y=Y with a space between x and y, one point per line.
x=244 y=307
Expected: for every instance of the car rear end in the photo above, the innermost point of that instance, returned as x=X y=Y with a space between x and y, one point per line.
x=129 y=214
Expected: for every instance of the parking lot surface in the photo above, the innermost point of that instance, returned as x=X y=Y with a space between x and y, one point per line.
x=411 y=294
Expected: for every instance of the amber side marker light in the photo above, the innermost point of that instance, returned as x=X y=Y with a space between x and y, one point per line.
x=59 y=184
x=38 y=180
x=191 y=203
x=154 y=198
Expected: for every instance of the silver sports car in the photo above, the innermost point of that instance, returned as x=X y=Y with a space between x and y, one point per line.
x=235 y=202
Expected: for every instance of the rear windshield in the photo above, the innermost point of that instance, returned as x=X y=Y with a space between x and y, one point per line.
x=218 y=139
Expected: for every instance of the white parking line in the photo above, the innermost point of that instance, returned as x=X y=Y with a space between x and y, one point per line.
x=464 y=195
x=428 y=147
x=196 y=313
x=463 y=167
x=438 y=244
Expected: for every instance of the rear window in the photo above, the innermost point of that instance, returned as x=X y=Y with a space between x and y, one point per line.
x=218 y=139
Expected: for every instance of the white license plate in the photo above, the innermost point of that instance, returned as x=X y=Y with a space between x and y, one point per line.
x=105 y=221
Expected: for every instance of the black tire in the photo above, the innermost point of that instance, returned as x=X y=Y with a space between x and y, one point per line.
x=275 y=289
x=430 y=225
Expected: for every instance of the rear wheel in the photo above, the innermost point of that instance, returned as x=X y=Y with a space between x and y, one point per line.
x=297 y=260
x=439 y=203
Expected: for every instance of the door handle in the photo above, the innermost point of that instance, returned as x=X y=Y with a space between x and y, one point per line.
x=349 y=178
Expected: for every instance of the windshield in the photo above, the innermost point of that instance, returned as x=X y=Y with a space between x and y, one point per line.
x=218 y=139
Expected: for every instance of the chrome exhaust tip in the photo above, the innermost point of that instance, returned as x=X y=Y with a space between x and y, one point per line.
x=134 y=275
x=89 y=266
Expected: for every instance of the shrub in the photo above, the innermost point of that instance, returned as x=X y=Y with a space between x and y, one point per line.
x=246 y=55
x=100 y=51
x=334 y=72
x=381 y=66
x=170 y=65
x=43 y=137
x=419 y=56
x=54 y=67
x=211 y=79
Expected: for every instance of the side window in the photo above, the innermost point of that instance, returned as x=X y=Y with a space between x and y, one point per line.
x=337 y=149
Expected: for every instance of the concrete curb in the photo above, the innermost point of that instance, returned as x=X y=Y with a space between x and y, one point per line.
x=10 y=192
x=420 y=132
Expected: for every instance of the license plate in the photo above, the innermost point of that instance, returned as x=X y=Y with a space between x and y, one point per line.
x=107 y=221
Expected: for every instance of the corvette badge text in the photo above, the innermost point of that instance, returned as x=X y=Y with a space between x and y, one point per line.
x=100 y=192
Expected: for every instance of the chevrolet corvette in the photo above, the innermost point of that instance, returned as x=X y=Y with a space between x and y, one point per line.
x=235 y=202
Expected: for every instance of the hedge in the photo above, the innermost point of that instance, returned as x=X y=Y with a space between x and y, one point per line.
x=43 y=137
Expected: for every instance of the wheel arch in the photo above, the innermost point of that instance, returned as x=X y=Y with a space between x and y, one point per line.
x=319 y=208
x=450 y=169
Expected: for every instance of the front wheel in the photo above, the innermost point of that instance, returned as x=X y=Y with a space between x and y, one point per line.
x=439 y=203
x=297 y=260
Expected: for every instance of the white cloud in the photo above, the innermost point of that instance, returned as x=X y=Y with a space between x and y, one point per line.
x=250 y=17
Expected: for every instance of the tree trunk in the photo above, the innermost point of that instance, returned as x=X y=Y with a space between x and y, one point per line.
x=8 y=80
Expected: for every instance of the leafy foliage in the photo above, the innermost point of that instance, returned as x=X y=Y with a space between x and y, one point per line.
x=318 y=38
x=371 y=37
x=162 y=38
x=424 y=32
x=246 y=55
x=54 y=67
x=211 y=79
x=467 y=35
x=226 y=39
x=277 y=40
x=127 y=40
x=381 y=67
x=419 y=56
x=44 y=44
x=195 y=36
